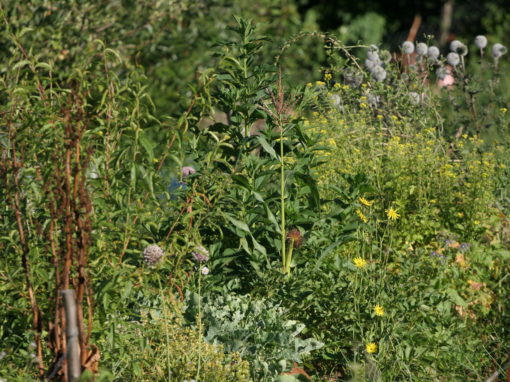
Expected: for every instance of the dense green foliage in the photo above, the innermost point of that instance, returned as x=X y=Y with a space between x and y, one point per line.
x=235 y=196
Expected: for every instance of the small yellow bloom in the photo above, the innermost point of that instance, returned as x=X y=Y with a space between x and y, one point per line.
x=371 y=348
x=363 y=105
x=379 y=116
x=309 y=84
x=392 y=214
x=337 y=86
x=379 y=310
x=394 y=117
x=503 y=110
x=328 y=76
x=361 y=216
x=155 y=160
x=320 y=83
x=366 y=202
x=359 y=262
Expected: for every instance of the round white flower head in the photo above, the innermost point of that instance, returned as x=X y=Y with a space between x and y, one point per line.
x=441 y=73
x=498 y=50
x=205 y=271
x=453 y=59
x=454 y=45
x=373 y=100
x=408 y=47
x=373 y=56
x=481 y=42
x=421 y=49
x=379 y=74
x=152 y=254
x=371 y=65
x=433 y=52
x=415 y=98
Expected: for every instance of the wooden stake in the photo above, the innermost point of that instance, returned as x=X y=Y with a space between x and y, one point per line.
x=72 y=333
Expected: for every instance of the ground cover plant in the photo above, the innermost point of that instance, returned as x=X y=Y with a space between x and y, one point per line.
x=246 y=218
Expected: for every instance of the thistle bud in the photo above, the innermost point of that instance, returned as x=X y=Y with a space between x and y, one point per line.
x=408 y=47
x=200 y=254
x=421 y=49
x=481 y=42
x=433 y=52
x=453 y=59
x=379 y=74
x=498 y=50
x=152 y=255
x=187 y=171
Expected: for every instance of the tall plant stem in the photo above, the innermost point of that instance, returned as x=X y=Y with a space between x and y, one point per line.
x=282 y=197
x=165 y=323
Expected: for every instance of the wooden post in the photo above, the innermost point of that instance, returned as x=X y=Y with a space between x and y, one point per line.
x=72 y=332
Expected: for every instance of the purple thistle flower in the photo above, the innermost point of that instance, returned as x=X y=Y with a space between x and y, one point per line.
x=200 y=254
x=187 y=171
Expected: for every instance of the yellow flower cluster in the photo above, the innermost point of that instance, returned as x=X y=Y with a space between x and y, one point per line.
x=359 y=262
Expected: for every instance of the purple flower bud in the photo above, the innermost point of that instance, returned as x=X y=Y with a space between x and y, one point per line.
x=200 y=254
x=187 y=171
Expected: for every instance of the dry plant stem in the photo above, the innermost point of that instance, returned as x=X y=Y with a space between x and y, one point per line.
x=16 y=207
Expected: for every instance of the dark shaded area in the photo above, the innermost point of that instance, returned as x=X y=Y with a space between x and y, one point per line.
x=470 y=17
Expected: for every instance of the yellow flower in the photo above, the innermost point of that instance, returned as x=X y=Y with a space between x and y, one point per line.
x=337 y=85
x=359 y=262
x=503 y=110
x=320 y=83
x=371 y=348
x=380 y=116
x=155 y=160
x=309 y=84
x=379 y=310
x=392 y=214
x=366 y=202
x=328 y=76
x=361 y=216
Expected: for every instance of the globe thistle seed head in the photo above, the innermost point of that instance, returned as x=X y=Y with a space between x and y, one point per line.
x=498 y=50
x=433 y=52
x=205 y=271
x=379 y=74
x=371 y=65
x=295 y=237
x=373 y=100
x=408 y=47
x=421 y=49
x=152 y=254
x=385 y=56
x=453 y=59
x=458 y=47
x=187 y=171
x=481 y=41
x=200 y=254
x=352 y=78
x=373 y=56
x=455 y=45
x=415 y=98
x=441 y=73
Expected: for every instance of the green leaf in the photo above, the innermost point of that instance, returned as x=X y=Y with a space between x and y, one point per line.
x=238 y=223
x=266 y=146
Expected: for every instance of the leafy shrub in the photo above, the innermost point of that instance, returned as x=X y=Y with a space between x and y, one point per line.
x=259 y=331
